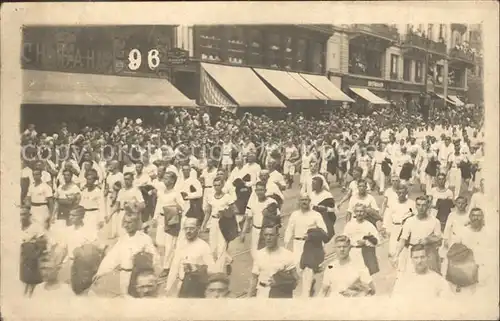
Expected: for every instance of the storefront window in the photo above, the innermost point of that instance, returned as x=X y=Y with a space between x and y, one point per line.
x=210 y=43
x=418 y=71
x=273 y=50
x=255 y=44
x=363 y=61
x=455 y=77
x=289 y=53
x=236 y=45
x=317 y=58
x=301 y=55
x=406 y=69
x=439 y=74
x=430 y=33
x=394 y=66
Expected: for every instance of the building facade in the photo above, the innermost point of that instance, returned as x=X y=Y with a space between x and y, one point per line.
x=284 y=48
x=401 y=62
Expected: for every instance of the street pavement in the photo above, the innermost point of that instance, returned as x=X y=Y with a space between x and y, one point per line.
x=242 y=263
x=242 y=260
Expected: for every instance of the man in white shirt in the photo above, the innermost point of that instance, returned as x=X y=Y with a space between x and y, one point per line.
x=190 y=188
x=390 y=194
x=45 y=176
x=444 y=153
x=352 y=189
x=122 y=253
x=457 y=219
x=227 y=149
x=291 y=157
x=192 y=258
x=259 y=200
x=395 y=216
x=275 y=176
x=421 y=228
x=129 y=195
x=273 y=189
x=478 y=199
x=269 y=261
x=420 y=282
x=299 y=223
x=345 y=277
x=361 y=232
x=41 y=200
x=252 y=169
x=366 y=199
x=142 y=178
x=93 y=202
x=79 y=233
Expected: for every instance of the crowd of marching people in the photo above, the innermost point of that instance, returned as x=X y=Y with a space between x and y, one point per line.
x=153 y=208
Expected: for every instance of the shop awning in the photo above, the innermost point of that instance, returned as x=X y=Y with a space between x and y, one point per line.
x=301 y=80
x=243 y=85
x=286 y=84
x=212 y=95
x=457 y=101
x=59 y=88
x=325 y=86
x=446 y=99
x=368 y=95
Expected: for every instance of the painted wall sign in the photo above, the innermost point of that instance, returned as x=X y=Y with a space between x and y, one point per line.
x=375 y=84
x=131 y=50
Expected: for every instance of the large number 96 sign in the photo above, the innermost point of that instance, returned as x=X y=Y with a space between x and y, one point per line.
x=135 y=59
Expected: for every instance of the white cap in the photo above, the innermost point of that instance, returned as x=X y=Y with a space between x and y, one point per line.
x=138 y=121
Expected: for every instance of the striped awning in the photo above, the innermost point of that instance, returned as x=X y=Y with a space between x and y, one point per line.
x=286 y=84
x=446 y=99
x=212 y=95
x=59 y=88
x=457 y=101
x=325 y=86
x=369 y=96
x=243 y=85
x=308 y=86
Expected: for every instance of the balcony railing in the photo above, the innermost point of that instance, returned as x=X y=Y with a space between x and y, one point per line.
x=462 y=55
x=417 y=41
x=380 y=30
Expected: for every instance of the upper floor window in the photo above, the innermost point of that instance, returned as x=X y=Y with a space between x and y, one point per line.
x=301 y=56
x=418 y=71
x=430 y=33
x=394 y=66
x=317 y=57
x=255 y=45
x=406 y=69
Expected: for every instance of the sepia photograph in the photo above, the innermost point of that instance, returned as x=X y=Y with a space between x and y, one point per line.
x=336 y=161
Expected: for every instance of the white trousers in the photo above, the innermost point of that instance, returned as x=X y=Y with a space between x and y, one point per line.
x=263 y=291
x=379 y=177
x=455 y=179
x=227 y=160
x=304 y=176
x=288 y=168
x=307 y=274
x=218 y=244
x=39 y=215
x=91 y=219
x=116 y=222
x=207 y=193
x=254 y=242
x=167 y=241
